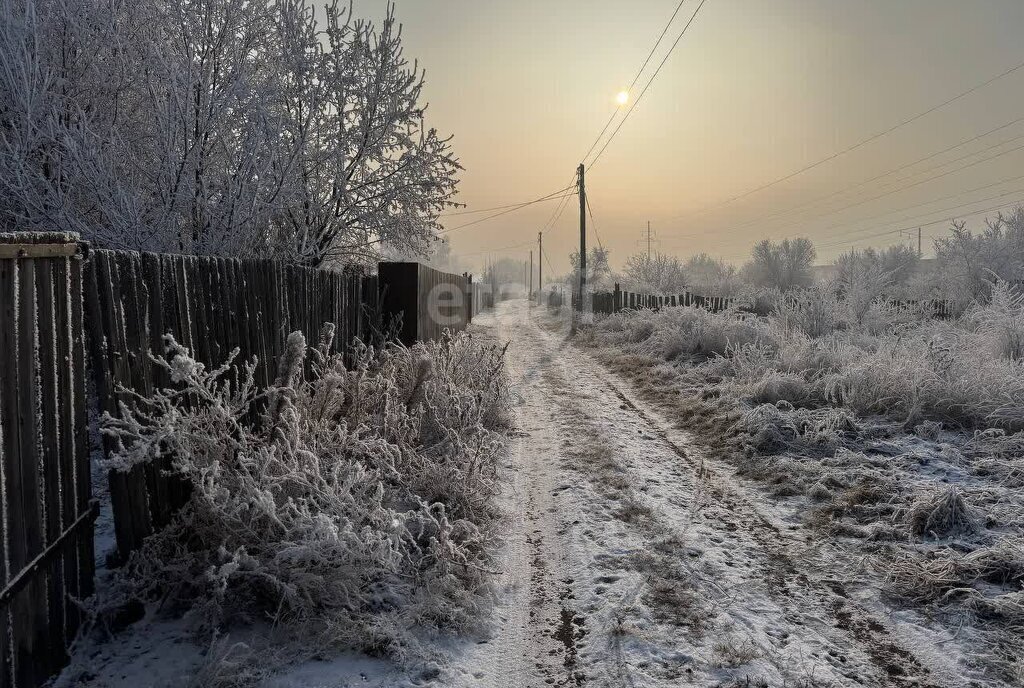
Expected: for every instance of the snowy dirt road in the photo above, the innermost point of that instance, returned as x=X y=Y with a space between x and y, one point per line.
x=635 y=560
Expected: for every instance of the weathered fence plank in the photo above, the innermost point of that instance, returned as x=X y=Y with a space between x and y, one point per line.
x=43 y=446
x=212 y=306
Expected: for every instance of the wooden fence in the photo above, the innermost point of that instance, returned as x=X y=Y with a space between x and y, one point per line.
x=118 y=305
x=480 y=296
x=428 y=300
x=618 y=300
x=210 y=305
x=213 y=305
x=46 y=514
x=614 y=301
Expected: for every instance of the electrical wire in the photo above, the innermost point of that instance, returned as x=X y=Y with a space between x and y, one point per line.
x=925 y=181
x=593 y=223
x=890 y=192
x=635 y=79
x=560 y=207
x=493 y=250
x=503 y=212
x=503 y=207
x=839 y=192
x=958 y=206
x=1002 y=206
x=859 y=144
x=648 y=85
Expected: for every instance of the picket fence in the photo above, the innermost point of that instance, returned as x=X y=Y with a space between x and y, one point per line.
x=614 y=301
x=617 y=300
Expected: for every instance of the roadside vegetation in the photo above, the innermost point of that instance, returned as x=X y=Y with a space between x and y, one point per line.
x=348 y=506
x=892 y=433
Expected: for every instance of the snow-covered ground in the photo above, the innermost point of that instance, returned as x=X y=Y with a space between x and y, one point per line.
x=633 y=557
x=653 y=565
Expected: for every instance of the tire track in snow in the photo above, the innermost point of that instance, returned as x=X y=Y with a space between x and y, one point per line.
x=587 y=623
x=781 y=569
x=534 y=643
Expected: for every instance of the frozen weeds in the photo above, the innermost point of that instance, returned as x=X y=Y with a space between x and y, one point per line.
x=674 y=518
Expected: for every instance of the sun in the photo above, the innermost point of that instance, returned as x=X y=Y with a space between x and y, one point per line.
x=622 y=97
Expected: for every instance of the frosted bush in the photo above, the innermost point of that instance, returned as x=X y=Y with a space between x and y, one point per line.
x=962 y=373
x=347 y=506
x=814 y=311
x=943 y=513
x=673 y=333
x=774 y=428
x=1001 y=322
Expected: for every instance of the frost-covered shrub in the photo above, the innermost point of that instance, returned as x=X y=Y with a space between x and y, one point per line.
x=814 y=311
x=346 y=506
x=943 y=378
x=774 y=428
x=943 y=513
x=674 y=333
x=949 y=574
x=928 y=430
x=905 y=366
x=1001 y=322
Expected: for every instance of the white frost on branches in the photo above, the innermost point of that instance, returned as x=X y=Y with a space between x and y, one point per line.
x=347 y=505
x=227 y=127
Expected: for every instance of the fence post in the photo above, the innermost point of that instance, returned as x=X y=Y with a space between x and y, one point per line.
x=45 y=502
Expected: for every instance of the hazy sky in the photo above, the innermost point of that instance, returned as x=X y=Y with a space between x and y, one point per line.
x=755 y=90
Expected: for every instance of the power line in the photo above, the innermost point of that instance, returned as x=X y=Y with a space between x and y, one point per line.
x=558 y=214
x=1001 y=206
x=593 y=224
x=502 y=207
x=493 y=250
x=549 y=197
x=934 y=200
x=550 y=266
x=635 y=78
x=563 y=199
x=560 y=208
x=648 y=85
x=932 y=212
x=925 y=181
x=891 y=171
x=859 y=144
x=892 y=191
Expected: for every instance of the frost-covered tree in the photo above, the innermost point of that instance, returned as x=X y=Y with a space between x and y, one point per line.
x=599 y=271
x=711 y=276
x=971 y=262
x=864 y=276
x=232 y=127
x=895 y=265
x=785 y=264
x=656 y=272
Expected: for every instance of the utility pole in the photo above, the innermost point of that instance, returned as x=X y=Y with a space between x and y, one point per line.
x=919 y=242
x=531 y=275
x=540 y=263
x=648 y=240
x=583 y=233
